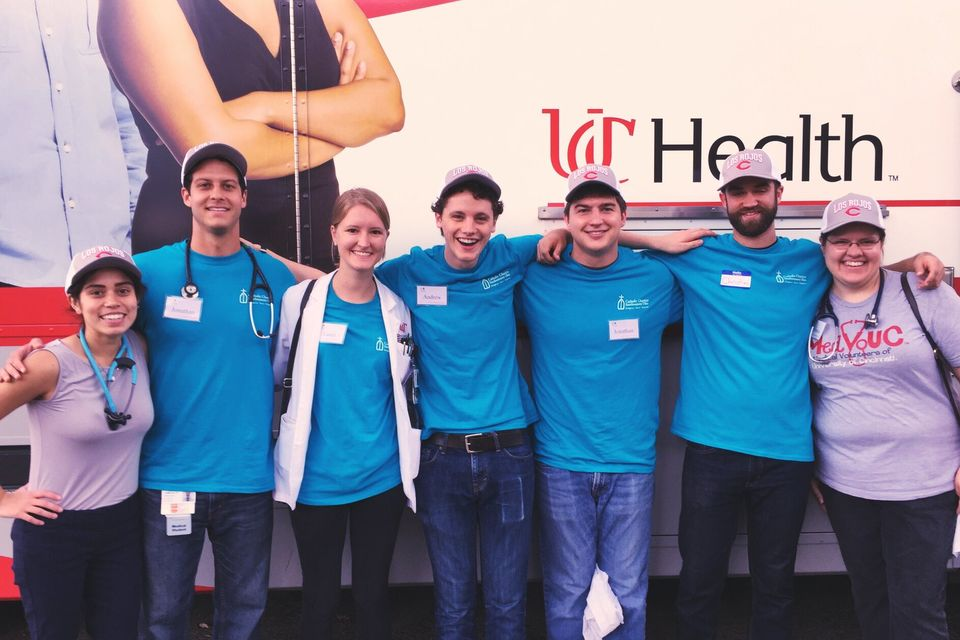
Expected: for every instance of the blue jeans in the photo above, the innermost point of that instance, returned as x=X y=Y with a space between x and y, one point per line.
x=82 y=564
x=896 y=554
x=716 y=482
x=240 y=527
x=456 y=492
x=589 y=520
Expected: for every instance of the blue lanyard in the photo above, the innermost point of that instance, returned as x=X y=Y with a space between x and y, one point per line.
x=123 y=354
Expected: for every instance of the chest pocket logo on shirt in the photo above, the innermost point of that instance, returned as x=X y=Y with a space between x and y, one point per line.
x=632 y=304
x=790 y=278
x=500 y=278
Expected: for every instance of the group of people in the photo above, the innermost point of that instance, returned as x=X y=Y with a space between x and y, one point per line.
x=404 y=389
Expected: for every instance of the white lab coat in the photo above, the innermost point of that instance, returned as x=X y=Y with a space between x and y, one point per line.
x=291 y=450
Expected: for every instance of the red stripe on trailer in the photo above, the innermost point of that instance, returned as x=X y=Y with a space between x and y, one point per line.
x=785 y=203
x=374 y=8
x=36 y=312
x=8 y=590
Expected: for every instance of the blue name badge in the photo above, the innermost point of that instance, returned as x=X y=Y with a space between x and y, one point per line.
x=735 y=279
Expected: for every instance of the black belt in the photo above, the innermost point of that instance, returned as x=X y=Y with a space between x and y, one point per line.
x=480 y=442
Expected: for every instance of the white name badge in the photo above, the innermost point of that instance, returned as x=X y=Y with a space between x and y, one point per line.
x=179 y=525
x=431 y=296
x=625 y=329
x=180 y=308
x=178 y=503
x=333 y=333
x=736 y=279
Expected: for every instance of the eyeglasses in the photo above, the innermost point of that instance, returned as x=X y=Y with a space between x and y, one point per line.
x=842 y=244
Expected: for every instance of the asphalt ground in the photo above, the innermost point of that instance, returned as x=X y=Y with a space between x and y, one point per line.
x=824 y=611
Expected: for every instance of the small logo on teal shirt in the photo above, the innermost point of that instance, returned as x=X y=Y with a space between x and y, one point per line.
x=628 y=304
x=259 y=297
x=791 y=278
x=492 y=281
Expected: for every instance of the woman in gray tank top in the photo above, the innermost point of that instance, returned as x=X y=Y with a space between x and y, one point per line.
x=77 y=539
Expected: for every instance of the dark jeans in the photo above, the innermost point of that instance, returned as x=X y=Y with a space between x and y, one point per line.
x=457 y=494
x=896 y=554
x=82 y=561
x=716 y=483
x=240 y=526
x=320 y=533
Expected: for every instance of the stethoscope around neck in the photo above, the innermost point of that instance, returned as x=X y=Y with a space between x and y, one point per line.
x=123 y=360
x=257 y=281
x=825 y=312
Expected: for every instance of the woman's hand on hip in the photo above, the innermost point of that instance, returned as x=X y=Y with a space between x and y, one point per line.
x=25 y=504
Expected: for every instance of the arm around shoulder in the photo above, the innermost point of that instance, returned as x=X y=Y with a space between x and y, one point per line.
x=676 y=242
x=14 y=366
x=928 y=267
x=39 y=381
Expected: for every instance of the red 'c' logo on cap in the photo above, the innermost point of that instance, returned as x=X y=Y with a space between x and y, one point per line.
x=743 y=165
x=101 y=254
x=853 y=212
x=590 y=175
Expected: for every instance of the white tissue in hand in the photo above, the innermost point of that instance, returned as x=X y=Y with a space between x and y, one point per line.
x=603 y=613
x=956 y=538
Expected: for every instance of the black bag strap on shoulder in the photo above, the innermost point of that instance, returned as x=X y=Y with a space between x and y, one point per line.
x=943 y=367
x=287 y=383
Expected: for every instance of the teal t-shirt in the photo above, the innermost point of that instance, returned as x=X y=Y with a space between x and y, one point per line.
x=596 y=359
x=743 y=374
x=211 y=380
x=352 y=453
x=465 y=329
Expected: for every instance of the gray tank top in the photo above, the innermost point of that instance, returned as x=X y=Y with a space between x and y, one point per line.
x=72 y=450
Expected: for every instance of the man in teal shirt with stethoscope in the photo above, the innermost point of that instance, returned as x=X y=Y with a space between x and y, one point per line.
x=206 y=465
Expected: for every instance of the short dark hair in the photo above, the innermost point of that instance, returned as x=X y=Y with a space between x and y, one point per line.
x=188 y=177
x=595 y=191
x=74 y=291
x=479 y=190
x=824 y=236
x=776 y=183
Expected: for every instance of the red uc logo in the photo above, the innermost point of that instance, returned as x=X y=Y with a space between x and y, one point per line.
x=743 y=165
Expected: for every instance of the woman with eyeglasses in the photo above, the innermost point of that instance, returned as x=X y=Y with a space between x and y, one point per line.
x=77 y=537
x=887 y=442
